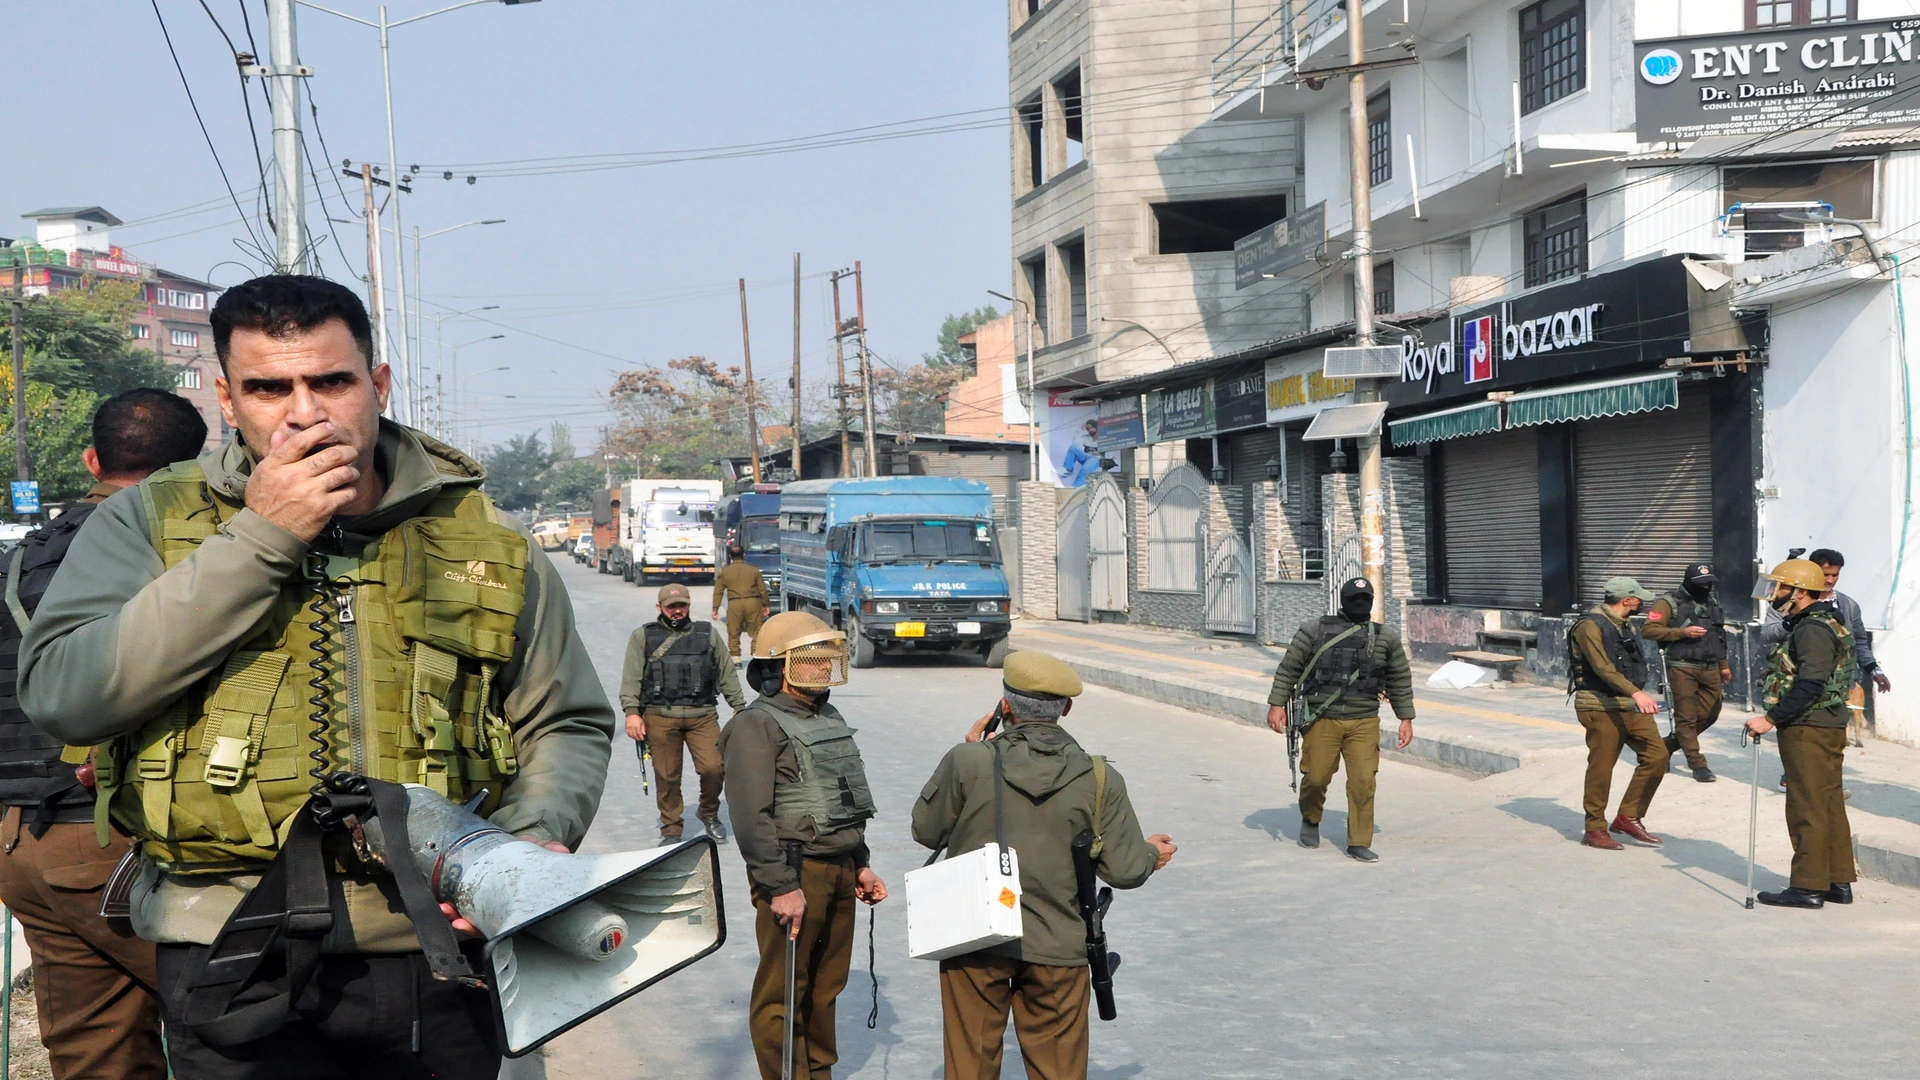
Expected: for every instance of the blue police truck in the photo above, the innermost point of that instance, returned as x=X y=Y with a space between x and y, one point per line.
x=752 y=519
x=903 y=564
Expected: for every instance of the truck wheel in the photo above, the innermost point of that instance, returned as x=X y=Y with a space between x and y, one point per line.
x=997 y=653
x=863 y=647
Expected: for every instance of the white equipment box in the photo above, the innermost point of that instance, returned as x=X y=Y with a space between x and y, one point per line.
x=963 y=904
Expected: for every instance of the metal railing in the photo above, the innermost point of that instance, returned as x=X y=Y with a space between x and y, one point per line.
x=1273 y=43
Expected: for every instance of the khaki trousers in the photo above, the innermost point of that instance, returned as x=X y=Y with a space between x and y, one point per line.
x=1816 y=806
x=1049 y=1009
x=666 y=735
x=1321 y=749
x=745 y=615
x=1697 y=697
x=822 y=958
x=1607 y=732
x=96 y=987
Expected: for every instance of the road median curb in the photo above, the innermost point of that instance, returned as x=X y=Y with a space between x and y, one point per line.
x=1885 y=859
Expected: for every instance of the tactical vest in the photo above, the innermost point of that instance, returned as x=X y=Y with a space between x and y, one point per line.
x=1782 y=668
x=1346 y=668
x=33 y=766
x=378 y=658
x=684 y=674
x=1710 y=649
x=1622 y=647
x=832 y=789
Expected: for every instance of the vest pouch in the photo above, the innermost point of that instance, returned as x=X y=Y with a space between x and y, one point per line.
x=462 y=585
x=833 y=788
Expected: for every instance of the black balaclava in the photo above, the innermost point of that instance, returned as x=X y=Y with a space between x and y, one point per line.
x=1699 y=581
x=680 y=623
x=1356 y=600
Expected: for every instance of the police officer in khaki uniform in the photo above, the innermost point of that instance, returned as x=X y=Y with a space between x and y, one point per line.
x=1608 y=671
x=1689 y=627
x=1342 y=665
x=1052 y=791
x=800 y=805
x=675 y=672
x=744 y=590
x=1808 y=678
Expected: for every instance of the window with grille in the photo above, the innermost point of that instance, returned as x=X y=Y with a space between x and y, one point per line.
x=1553 y=60
x=187 y=339
x=1556 y=241
x=1383 y=289
x=1175 y=512
x=1765 y=14
x=1379 y=139
x=189 y=378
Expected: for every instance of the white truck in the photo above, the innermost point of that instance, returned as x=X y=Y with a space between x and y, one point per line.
x=666 y=529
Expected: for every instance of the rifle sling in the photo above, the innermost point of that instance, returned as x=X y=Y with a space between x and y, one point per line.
x=1300 y=683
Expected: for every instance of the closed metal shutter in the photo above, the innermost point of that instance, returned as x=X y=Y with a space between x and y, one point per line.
x=1490 y=492
x=1643 y=496
x=1247 y=452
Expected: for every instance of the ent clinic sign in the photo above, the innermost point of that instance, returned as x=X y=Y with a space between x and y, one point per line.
x=1770 y=82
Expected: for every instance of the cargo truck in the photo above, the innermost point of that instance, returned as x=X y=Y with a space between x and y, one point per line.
x=753 y=519
x=902 y=564
x=606 y=529
x=666 y=529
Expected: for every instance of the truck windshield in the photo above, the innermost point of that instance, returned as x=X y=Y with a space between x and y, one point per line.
x=761 y=537
x=937 y=541
x=662 y=514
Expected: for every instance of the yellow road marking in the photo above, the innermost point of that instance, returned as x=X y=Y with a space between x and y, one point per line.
x=1423 y=704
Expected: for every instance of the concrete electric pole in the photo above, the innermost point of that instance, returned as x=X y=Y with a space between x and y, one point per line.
x=866 y=367
x=1373 y=552
x=283 y=74
x=840 y=376
x=796 y=366
x=753 y=414
x=377 y=306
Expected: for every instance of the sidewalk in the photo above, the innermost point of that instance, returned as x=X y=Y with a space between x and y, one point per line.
x=1481 y=731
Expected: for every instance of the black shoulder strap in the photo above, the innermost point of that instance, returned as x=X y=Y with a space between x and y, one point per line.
x=1000 y=813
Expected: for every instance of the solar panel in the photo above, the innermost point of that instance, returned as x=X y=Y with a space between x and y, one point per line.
x=1347 y=421
x=1362 y=362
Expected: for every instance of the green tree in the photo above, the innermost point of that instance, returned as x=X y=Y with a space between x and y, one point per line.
x=78 y=338
x=676 y=422
x=561 y=437
x=572 y=482
x=947 y=350
x=515 y=470
x=59 y=427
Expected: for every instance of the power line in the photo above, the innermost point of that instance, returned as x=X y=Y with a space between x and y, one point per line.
x=260 y=247
x=246 y=102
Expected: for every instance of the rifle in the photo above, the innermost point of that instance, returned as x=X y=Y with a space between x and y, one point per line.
x=1093 y=911
x=1666 y=692
x=1296 y=724
x=645 y=754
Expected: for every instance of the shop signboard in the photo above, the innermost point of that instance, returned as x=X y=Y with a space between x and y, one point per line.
x=1240 y=399
x=1635 y=317
x=1778 y=81
x=1297 y=390
x=1290 y=242
x=1181 y=413
x=1120 y=423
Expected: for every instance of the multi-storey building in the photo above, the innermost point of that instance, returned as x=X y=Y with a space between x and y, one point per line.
x=1619 y=245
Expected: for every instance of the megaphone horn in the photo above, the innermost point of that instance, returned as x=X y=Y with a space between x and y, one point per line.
x=568 y=936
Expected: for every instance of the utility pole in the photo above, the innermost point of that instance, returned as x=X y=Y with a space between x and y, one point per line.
x=796 y=365
x=840 y=376
x=378 y=307
x=407 y=374
x=19 y=382
x=753 y=413
x=283 y=74
x=1373 y=555
x=866 y=366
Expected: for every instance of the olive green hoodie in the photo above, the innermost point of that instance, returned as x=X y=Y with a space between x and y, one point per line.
x=1048 y=799
x=118 y=637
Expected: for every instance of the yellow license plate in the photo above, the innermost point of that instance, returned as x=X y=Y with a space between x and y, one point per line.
x=909 y=629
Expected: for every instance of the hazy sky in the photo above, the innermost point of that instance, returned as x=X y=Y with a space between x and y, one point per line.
x=638 y=264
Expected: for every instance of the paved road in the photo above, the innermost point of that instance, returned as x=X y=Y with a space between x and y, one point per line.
x=1486 y=943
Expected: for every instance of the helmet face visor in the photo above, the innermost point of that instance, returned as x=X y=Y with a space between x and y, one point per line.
x=818 y=665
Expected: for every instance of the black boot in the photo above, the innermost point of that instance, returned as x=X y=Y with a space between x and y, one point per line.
x=1840 y=893
x=1704 y=775
x=1309 y=834
x=1812 y=899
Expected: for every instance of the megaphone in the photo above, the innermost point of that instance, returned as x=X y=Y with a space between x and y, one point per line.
x=568 y=936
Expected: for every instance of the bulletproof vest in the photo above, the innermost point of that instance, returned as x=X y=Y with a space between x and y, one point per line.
x=1622 y=647
x=1687 y=611
x=1346 y=668
x=379 y=656
x=31 y=770
x=684 y=674
x=832 y=790
x=1782 y=668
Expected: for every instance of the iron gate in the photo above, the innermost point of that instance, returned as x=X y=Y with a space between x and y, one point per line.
x=1230 y=587
x=1343 y=567
x=1071 y=566
x=1107 y=544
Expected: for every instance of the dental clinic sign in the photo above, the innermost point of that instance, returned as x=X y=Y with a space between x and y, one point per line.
x=1835 y=75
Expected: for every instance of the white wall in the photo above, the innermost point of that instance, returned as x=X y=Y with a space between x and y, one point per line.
x=1671 y=209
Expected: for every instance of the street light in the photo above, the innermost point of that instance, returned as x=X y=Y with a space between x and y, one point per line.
x=393 y=157
x=419 y=295
x=451 y=433
x=1033 y=411
x=1156 y=337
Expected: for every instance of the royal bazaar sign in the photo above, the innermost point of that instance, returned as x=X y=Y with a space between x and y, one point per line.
x=1629 y=318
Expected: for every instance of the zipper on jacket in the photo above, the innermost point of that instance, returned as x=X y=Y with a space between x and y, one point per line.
x=350 y=641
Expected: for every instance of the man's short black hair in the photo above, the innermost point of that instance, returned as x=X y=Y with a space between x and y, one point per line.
x=141 y=430
x=1827 y=557
x=282 y=305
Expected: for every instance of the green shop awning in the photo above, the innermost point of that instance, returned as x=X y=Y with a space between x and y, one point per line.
x=1477 y=419
x=1616 y=397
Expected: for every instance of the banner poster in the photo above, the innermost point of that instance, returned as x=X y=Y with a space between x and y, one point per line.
x=1070 y=440
x=1122 y=423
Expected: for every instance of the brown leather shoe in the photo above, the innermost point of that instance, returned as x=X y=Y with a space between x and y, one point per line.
x=1598 y=838
x=1632 y=827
